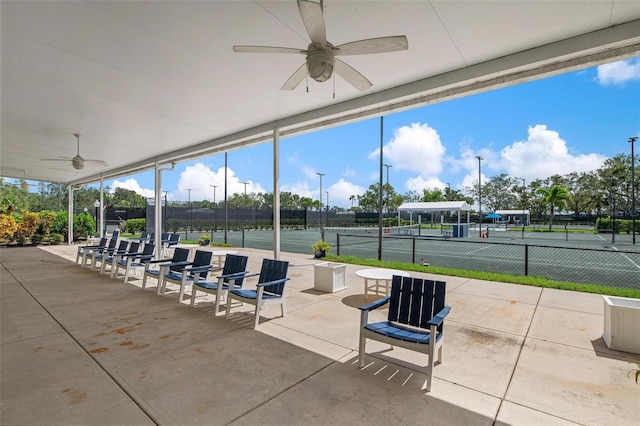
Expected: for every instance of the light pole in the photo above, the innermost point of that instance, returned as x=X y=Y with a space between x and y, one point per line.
x=190 y=210
x=633 y=190
x=327 y=207
x=245 y=192
x=320 y=197
x=388 y=203
x=479 y=194
x=96 y=204
x=524 y=200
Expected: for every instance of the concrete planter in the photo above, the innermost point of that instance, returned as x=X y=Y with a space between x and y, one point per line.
x=329 y=277
x=621 y=324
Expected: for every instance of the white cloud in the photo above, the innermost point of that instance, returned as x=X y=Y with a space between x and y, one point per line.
x=132 y=185
x=544 y=154
x=340 y=192
x=420 y=183
x=199 y=179
x=619 y=72
x=300 y=188
x=416 y=148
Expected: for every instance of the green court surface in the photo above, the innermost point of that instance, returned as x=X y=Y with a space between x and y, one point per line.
x=575 y=257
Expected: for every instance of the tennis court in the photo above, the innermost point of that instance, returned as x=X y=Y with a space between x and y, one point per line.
x=579 y=257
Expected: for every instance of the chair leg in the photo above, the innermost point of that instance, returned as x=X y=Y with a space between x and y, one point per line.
x=283 y=306
x=193 y=295
x=361 y=348
x=228 y=310
x=257 y=318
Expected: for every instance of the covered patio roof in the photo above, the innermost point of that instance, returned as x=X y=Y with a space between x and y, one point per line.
x=158 y=81
x=437 y=206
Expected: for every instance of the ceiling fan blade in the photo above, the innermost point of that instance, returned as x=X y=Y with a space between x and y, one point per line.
x=373 y=45
x=313 y=19
x=102 y=163
x=269 y=49
x=352 y=76
x=57 y=159
x=296 y=78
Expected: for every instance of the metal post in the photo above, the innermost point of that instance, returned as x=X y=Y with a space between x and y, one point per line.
x=190 y=215
x=524 y=199
x=388 y=201
x=327 y=192
x=320 y=197
x=633 y=190
x=479 y=195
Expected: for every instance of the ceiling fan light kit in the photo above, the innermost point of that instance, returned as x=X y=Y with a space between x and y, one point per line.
x=321 y=55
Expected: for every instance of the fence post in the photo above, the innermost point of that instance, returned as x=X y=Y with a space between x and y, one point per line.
x=413 y=250
x=566 y=232
x=242 y=237
x=526 y=259
x=337 y=244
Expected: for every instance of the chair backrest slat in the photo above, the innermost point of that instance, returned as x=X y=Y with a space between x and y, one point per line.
x=134 y=247
x=179 y=255
x=202 y=258
x=414 y=301
x=273 y=270
x=123 y=246
x=174 y=237
x=234 y=264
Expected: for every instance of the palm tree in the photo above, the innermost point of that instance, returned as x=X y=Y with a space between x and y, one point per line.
x=556 y=196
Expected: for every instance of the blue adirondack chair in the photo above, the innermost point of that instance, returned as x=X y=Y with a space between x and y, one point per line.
x=176 y=263
x=84 y=251
x=199 y=267
x=116 y=256
x=269 y=290
x=122 y=248
x=415 y=320
x=134 y=261
x=103 y=253
x=233 y=274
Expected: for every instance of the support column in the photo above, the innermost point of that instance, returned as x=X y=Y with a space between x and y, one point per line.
x=276 y=192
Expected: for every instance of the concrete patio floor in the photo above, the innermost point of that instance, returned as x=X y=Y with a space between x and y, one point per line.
x=81 y=348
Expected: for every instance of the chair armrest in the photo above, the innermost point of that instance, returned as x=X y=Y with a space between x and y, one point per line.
x=197 y=269
x=234 y=275
x=131 y=254
x=172 y=264
x=161 y=261
x=439 y=317
x=375 y=304
x=272 y=282
x=247 y=274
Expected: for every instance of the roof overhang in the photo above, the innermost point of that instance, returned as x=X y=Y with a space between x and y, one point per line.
x=147 y=82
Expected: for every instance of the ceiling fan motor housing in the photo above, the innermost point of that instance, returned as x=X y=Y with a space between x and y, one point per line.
x=77 y=162
x=320 y=63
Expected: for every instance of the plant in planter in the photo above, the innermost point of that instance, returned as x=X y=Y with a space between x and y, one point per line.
x=204 y=240
x=320 y=248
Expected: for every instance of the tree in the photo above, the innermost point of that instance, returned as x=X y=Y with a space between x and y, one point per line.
x=555 y=197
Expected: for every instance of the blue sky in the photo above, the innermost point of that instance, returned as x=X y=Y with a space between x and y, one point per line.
x=571 y=122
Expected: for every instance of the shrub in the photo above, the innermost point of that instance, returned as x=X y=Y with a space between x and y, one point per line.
x=8 y=227
x=135 y=226
x=56 y=238
x=83 y=225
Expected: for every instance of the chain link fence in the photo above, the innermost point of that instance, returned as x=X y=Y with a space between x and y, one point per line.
x=607 y=267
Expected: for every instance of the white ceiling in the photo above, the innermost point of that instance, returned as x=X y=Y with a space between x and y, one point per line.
x=141 y=80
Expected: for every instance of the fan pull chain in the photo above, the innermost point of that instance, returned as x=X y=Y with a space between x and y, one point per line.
x=307 y=81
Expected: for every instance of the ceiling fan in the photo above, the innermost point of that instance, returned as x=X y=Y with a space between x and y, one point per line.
x=77 y=162
x=321 y=55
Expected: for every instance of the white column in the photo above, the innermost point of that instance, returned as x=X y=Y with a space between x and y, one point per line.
x=276 y=192
x=70 y=210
